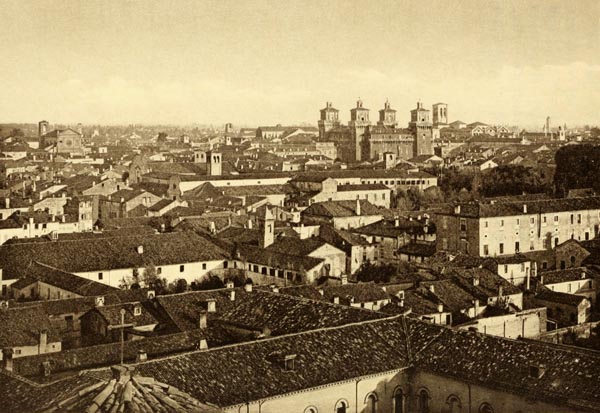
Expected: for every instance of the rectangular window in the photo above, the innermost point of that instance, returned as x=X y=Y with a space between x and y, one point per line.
x=544 y=219
x=516 y=246
x=501 y=222
x=463 y=224
x=579 y=218
x=501 y=248
x=518 y=221
x=100 y=276
x=505 y=268
x=532 y=220
x=486 y=250
x=159 y=270
x=203 y=265
x=181 y=268
x=555 y=218
x=485 y=224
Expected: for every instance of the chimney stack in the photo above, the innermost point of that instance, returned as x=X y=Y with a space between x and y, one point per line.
x=524 y=208
x=7 y=202
x=43 y=341
x=211 y=305
x=344 y=279
x=476 y=307
x=141 y=356
x=432 y=288
x=202 y=320
x=440 y=308
x=475 y=281
x=336 y=299
x=232 y=295
x=7 y=357
x=358 y=207
x=248 y=287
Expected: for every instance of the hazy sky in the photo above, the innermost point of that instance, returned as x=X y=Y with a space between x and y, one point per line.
x=266 y=62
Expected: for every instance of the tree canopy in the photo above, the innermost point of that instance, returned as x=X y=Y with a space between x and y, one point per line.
x=577 y=166
x=507 y=180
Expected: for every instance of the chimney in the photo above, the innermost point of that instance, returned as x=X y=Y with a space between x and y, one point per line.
x=524 y=208
x=432 y=288
x=7 y=202
x=397 y=222
x=202 y=320
x=7 y=357
x=440 y=308
x=211 y=305
x=476 y=307
x=202 y=344
x=583 y=275
x=528 y=285
x=344 y=279
x=229 y=284
x=46 y=368
x=63 y=219
x=500 y=291
x=358 y=207
x=248 y=287
x=401 y=302
x=141 y=356
x=212 y=227
x=150 y=294
x=99 y=301
x=457 y=209
x=43 y=341
x=542 y=279
x=140 y=249
x=232 y=295
x=274 y=288
x=475 y=281
x=249 y=223
x=336 y=299
x=321 y=291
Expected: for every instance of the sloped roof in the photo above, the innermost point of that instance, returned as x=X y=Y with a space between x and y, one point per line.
x=97 y=254
x=336 y=209
x=21 y=326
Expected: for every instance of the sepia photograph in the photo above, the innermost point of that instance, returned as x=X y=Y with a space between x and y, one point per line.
x=299 y=206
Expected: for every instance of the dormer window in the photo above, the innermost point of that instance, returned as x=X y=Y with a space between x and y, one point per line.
x=137 y=310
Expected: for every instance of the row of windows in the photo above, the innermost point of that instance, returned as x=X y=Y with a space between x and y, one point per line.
x=453 y=403
x=544 y=220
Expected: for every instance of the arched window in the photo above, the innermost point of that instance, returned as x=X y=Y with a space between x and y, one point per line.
x=371 y=402
x=454 y=404
x=311 y=409
x=398 y=401
x=341 y=406
x=486 y=408
x=423 y=401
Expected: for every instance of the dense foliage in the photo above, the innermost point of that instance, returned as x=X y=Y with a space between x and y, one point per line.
x=577 y=166
x=507 y=180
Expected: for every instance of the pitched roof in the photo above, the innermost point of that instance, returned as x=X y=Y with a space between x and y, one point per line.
x=336 y=209
x=355 y=293
x=21 y=326
x=97 y=254
x=569 y=274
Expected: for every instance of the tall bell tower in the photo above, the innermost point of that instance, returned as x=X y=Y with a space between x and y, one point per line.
x=359 y=121
x=387 y=116
x=329 y=120
x=421 y=127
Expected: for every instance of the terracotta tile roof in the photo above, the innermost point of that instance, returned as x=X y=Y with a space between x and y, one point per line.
x=334 y=209
x=21 y=326
x=558 y=297
x=570 y=274
x=99 y=254
x=358 y=292
x=256 y=255
x=129 y=392
x=61 y=279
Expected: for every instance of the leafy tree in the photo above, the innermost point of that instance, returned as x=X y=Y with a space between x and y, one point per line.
x=210 y=282
x=507 y=180
x=379 y=273
x=152 y=280
x=238 y=279
x=180 y=285
x=162 y=137
x=16 y=132
x=577 y=166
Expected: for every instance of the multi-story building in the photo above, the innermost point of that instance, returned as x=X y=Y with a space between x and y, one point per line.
x=500 y=228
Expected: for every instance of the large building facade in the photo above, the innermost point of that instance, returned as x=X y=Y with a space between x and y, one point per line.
x=362 y=141
x=501 y=228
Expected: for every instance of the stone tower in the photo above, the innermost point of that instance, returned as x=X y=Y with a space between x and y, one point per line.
x=215 y=163
x=421 y=127
x=359 y=121
x=387 y=116
x=440 y=115
x=329 y=119
x=266 y=223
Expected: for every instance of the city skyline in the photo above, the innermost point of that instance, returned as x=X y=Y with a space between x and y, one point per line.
x=262 y=63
